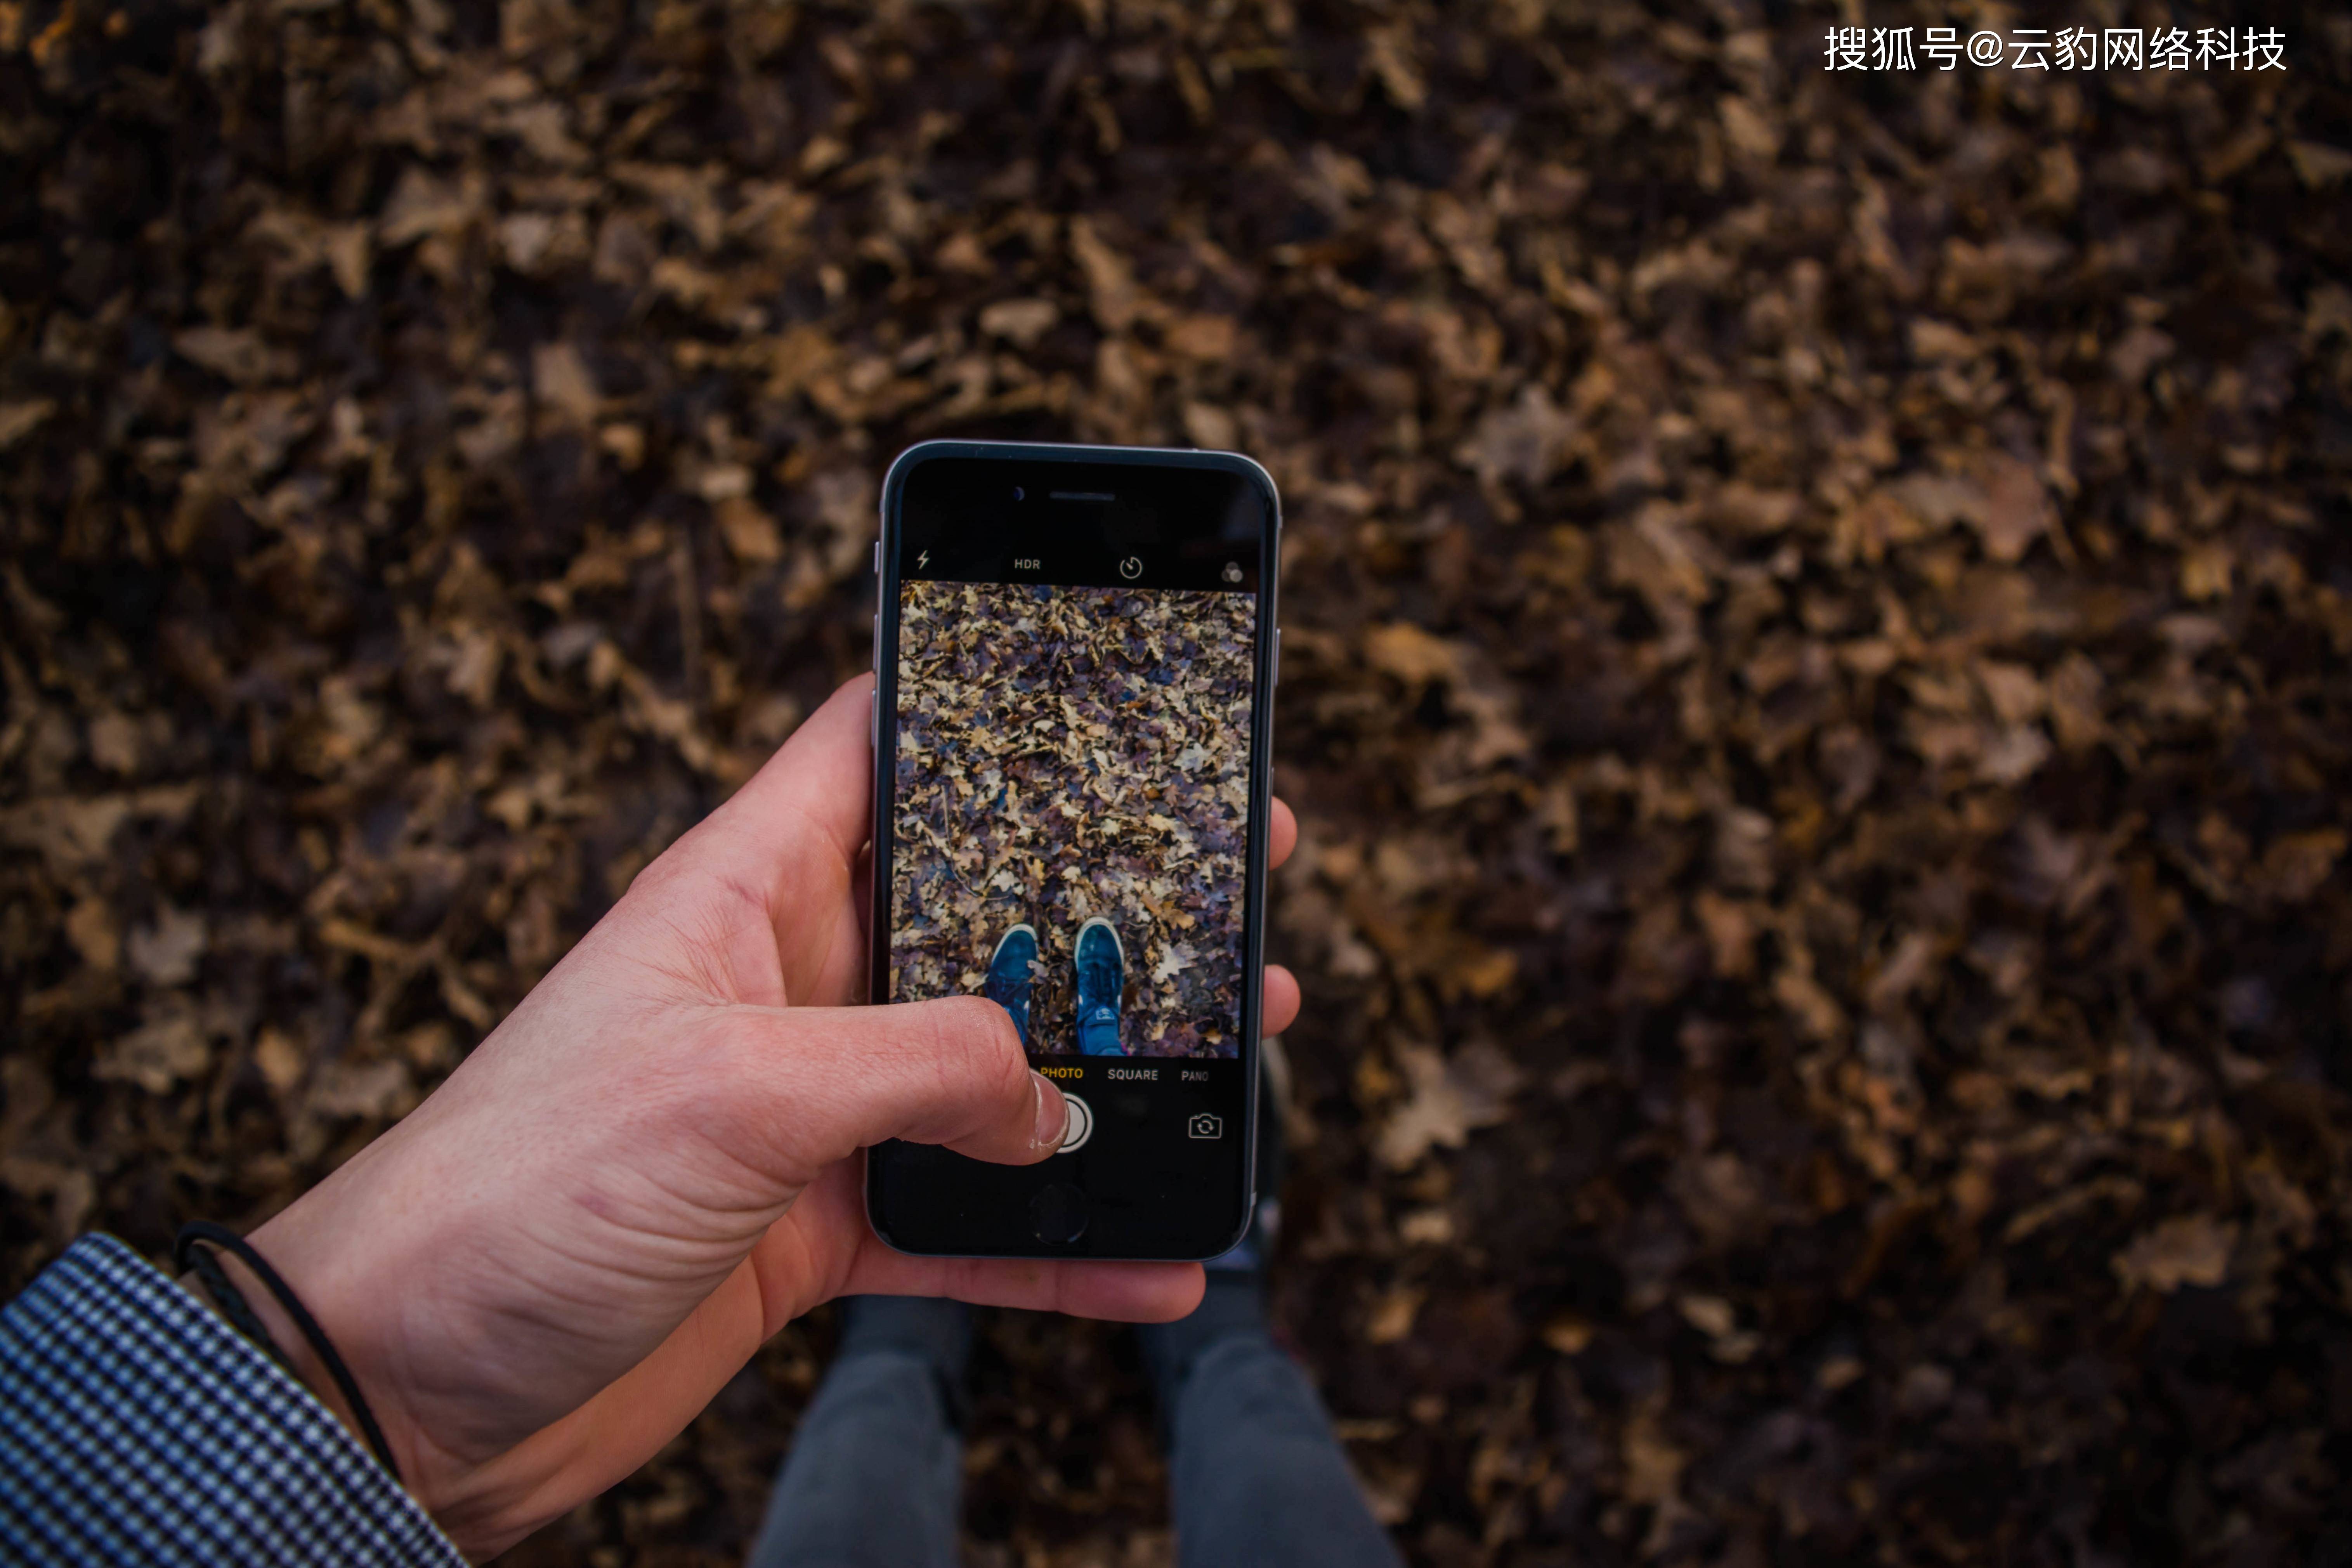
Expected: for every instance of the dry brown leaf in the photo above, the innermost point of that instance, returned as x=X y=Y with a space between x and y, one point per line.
x=1412 y=655
x=158 y=1054
x=2187 y=1249
x=1447 y=1099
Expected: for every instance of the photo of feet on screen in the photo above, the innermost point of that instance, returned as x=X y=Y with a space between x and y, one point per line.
x=1071 y=822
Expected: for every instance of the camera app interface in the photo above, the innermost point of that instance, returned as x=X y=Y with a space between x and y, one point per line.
x=1068 y=725
x=1071 y=821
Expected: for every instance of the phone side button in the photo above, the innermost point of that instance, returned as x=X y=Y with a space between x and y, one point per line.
x=1271 y=681
x=1059 y=1213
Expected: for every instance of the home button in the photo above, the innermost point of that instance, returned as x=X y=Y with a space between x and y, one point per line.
x=1059 y=1213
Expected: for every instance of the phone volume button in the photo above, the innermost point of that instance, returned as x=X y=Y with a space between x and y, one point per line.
x=1272 y=681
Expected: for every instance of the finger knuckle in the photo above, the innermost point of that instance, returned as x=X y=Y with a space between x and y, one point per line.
x=974 y=1035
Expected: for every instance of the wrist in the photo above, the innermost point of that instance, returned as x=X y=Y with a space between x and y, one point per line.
x=285 y=1344
x=252 y=1292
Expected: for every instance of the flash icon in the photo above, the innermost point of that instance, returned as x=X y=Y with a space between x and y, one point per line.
x=922 y=560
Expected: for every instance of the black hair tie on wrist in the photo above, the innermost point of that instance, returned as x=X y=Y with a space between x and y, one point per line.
x=241 y=1317
x=232 y=1302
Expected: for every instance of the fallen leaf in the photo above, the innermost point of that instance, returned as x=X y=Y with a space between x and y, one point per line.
x=2189 y=1249
x=18 y=420
x=1019 y=321
x=1413 y=656
x=159 y=1054
x=1447 y=1100
x=1392 y=1315
x=1526 y=441
x=167 y=952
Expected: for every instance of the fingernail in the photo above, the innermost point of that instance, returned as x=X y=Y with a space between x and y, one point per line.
x=1053 y=1113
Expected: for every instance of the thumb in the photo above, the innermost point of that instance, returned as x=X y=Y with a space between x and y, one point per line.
x=949 y=1072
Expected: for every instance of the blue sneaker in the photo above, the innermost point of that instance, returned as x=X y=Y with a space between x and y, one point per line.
x=1102 y=979
x=1009 y=972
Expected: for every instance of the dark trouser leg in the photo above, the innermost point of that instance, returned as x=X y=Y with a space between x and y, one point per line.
x=1256 y=1477
x=875 y=1472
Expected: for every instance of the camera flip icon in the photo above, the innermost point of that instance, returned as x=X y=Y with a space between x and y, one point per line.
x=1203 y=1125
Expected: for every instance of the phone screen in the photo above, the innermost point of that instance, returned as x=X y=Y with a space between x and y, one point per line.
x=1074 y=805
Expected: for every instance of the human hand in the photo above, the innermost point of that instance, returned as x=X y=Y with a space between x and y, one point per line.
x=549 y=1267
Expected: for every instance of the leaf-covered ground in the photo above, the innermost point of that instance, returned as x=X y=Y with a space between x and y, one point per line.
x=1066 y=753
x=1818 y=616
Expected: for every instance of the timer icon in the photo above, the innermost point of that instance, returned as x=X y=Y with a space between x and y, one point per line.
x=1131 y=568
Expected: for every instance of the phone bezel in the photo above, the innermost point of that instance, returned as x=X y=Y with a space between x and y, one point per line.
x=884 y=737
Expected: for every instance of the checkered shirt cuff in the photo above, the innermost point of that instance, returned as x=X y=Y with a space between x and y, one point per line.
x=137 y=1427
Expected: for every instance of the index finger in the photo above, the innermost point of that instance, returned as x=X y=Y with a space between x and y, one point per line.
x=820 y=781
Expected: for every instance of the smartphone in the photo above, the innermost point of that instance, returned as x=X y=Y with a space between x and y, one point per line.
x=1075 y=651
